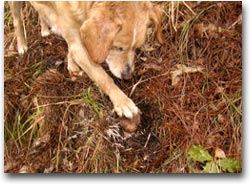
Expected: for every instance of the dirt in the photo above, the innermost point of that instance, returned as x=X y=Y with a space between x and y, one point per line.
x=54 y=124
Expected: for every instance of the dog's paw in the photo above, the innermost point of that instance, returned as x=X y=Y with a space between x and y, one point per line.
x=74 y=75
x=22 y=49
x=126 y=107
x=74 y=71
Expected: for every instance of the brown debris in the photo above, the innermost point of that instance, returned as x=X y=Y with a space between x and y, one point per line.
x=53 y=124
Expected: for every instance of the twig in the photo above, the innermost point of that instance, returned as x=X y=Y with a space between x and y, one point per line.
x=145 y=80
x=149 y=135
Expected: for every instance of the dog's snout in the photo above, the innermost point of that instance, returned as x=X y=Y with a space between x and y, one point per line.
x=127 y=73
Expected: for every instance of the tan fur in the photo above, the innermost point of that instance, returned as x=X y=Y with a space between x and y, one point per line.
x=95 y=32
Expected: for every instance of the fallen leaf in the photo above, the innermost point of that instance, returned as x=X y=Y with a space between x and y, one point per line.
x=219 y=90
x=220 y=118
x=175 y=77
x=199 y=29
x=49 y=170
x=198 y=153
x=219 y=153
x=41 y=141
x=152 y=66
x=189 y=69
x=24 y=169
x=181 y=69
x=143 y=58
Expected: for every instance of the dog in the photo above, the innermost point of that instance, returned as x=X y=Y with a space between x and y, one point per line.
x=96 y=32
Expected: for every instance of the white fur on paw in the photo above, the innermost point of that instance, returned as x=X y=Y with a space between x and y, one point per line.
x=80 y=73
x=74 y=70
x=75 y=74
x=128 y=109
x=45 y=33
x=22 y=49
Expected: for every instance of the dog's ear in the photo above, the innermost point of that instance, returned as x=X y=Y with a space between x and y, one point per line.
x=156 y=16
x=98 y=34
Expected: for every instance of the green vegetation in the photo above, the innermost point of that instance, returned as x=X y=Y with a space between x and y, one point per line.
x=209 y=164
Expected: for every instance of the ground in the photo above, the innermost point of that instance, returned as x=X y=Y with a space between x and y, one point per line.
x=189 y=91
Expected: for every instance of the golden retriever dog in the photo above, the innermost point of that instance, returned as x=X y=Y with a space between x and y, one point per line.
x=96 y=32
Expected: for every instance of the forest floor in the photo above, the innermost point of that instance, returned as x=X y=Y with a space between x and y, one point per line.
x=189 y=91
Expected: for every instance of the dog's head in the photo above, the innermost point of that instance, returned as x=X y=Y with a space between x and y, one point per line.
x=113 y=30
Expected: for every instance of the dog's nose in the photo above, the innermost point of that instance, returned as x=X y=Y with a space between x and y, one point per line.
x=127 y=73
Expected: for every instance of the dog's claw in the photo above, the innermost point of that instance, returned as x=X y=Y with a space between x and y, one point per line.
x=118 y=111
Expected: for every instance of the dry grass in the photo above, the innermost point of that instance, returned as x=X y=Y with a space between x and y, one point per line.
x=53 y=124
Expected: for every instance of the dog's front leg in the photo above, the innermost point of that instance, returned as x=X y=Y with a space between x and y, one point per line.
x=16 y=8
x=44 y=27
x=123 y=105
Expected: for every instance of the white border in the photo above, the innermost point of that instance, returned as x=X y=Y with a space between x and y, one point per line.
x=149 y=178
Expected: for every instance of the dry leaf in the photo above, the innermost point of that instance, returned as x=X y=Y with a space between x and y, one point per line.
x=219 y=90
x=41 y=141
x=152 y=66
x=220 y=118
x=199 y=29
x=175 y=77
x=219 y=153
x=24 y=169
x=49 y=170
x=143 y=58
x=183 y=69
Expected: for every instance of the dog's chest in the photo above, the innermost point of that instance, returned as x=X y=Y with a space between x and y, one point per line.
x=53 y=22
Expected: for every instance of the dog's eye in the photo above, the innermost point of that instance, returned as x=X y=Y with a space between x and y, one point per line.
x=117 y=48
